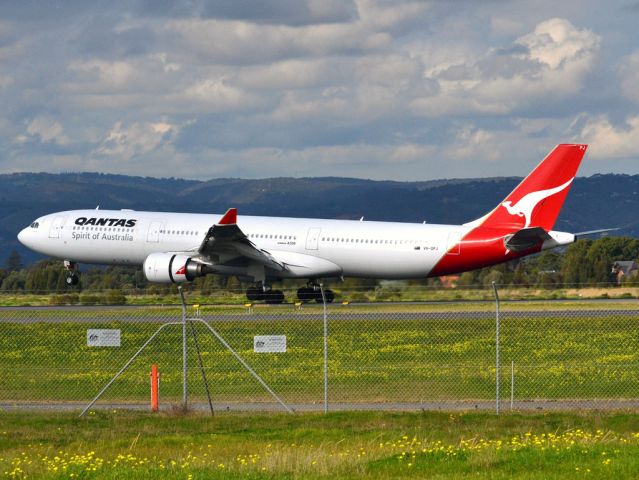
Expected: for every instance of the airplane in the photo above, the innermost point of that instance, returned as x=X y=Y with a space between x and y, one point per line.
x=180 y=247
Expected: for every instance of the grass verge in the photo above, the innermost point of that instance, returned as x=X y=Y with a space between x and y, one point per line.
x=108 y=445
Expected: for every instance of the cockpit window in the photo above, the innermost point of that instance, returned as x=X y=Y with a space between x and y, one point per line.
x=35 y=225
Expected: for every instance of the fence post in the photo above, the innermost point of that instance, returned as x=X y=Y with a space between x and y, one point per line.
x=184 y=352
x=497 y=394
x=325 y=351
x=512 y=384
x=155 y=388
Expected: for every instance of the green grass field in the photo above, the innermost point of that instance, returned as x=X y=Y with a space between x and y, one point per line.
x=387 y=357
x=115 y=445
x=394 y=292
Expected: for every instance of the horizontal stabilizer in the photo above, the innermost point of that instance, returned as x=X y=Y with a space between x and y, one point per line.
x=526 y=238
x=594 y=232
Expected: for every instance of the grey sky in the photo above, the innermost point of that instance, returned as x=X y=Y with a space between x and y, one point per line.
x=370 y=88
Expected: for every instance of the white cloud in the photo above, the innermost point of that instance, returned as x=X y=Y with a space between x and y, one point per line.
x=363 y=161
x=629 y=71
x=378 y=15
x=556 y=42
x=475 y=143
x=295 y=107
x=315 y=87
x=217 y=94
x=126 y=142
x=396 y=71
x=607 y=141
x=551 y=62
x=411 y=152
x=113 y=75
x=295 y=74
x=46 y=130
x=166 y=65
x=237 y=42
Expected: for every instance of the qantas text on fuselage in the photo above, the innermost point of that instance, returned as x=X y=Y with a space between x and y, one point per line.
x=177 y=247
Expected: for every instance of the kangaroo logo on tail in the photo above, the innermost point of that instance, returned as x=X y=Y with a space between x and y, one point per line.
x=525 y=206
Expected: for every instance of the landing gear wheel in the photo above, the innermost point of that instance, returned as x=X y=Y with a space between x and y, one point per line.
x=274 y=297
x=72 y=280
x=255 y=294
x=329 y=295
x=306 y=294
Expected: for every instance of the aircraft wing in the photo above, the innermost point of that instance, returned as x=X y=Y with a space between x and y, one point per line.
x=226 y=238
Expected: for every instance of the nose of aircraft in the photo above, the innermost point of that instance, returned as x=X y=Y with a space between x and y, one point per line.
x=22 y=236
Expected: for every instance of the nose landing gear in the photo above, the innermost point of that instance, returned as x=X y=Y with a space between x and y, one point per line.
x=73 y=278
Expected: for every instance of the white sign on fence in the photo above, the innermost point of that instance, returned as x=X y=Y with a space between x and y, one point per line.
x=103 y=338
x=269 y=343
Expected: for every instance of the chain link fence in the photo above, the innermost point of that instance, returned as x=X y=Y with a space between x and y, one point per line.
x=404 y=356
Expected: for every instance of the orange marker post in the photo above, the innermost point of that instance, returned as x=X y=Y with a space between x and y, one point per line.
x=155 y=388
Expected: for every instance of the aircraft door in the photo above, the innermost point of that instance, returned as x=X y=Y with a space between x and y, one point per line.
x=312 y=238
x=153 y=235
x=56 y=226
x=453 y=245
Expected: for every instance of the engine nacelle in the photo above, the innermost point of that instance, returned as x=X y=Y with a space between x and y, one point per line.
x=171 y=268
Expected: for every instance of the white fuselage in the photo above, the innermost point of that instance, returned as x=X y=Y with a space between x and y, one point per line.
x=358 y=248
x=178 y=247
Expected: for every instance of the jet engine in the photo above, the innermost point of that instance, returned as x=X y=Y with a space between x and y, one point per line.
x=172 y=268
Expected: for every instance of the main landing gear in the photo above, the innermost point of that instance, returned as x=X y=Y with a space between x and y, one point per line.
x=313 y=292
x=72 y=273
x=263 y=293
x=259 y=293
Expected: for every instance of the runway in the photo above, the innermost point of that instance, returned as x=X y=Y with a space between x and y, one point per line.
x=278 y=313
x=444 y=406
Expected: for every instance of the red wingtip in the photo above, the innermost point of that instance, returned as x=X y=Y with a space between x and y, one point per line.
x=229 y=218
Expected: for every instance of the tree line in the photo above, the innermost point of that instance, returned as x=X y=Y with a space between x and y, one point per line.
x=585 y=262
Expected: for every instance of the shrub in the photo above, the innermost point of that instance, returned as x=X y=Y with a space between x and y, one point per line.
x=114 y=297
x=65 y=299
x=89 y=299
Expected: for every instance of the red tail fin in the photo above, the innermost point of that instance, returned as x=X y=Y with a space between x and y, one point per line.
x=538 y=198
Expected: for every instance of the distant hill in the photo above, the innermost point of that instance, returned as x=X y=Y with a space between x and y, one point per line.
x=594 y=202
